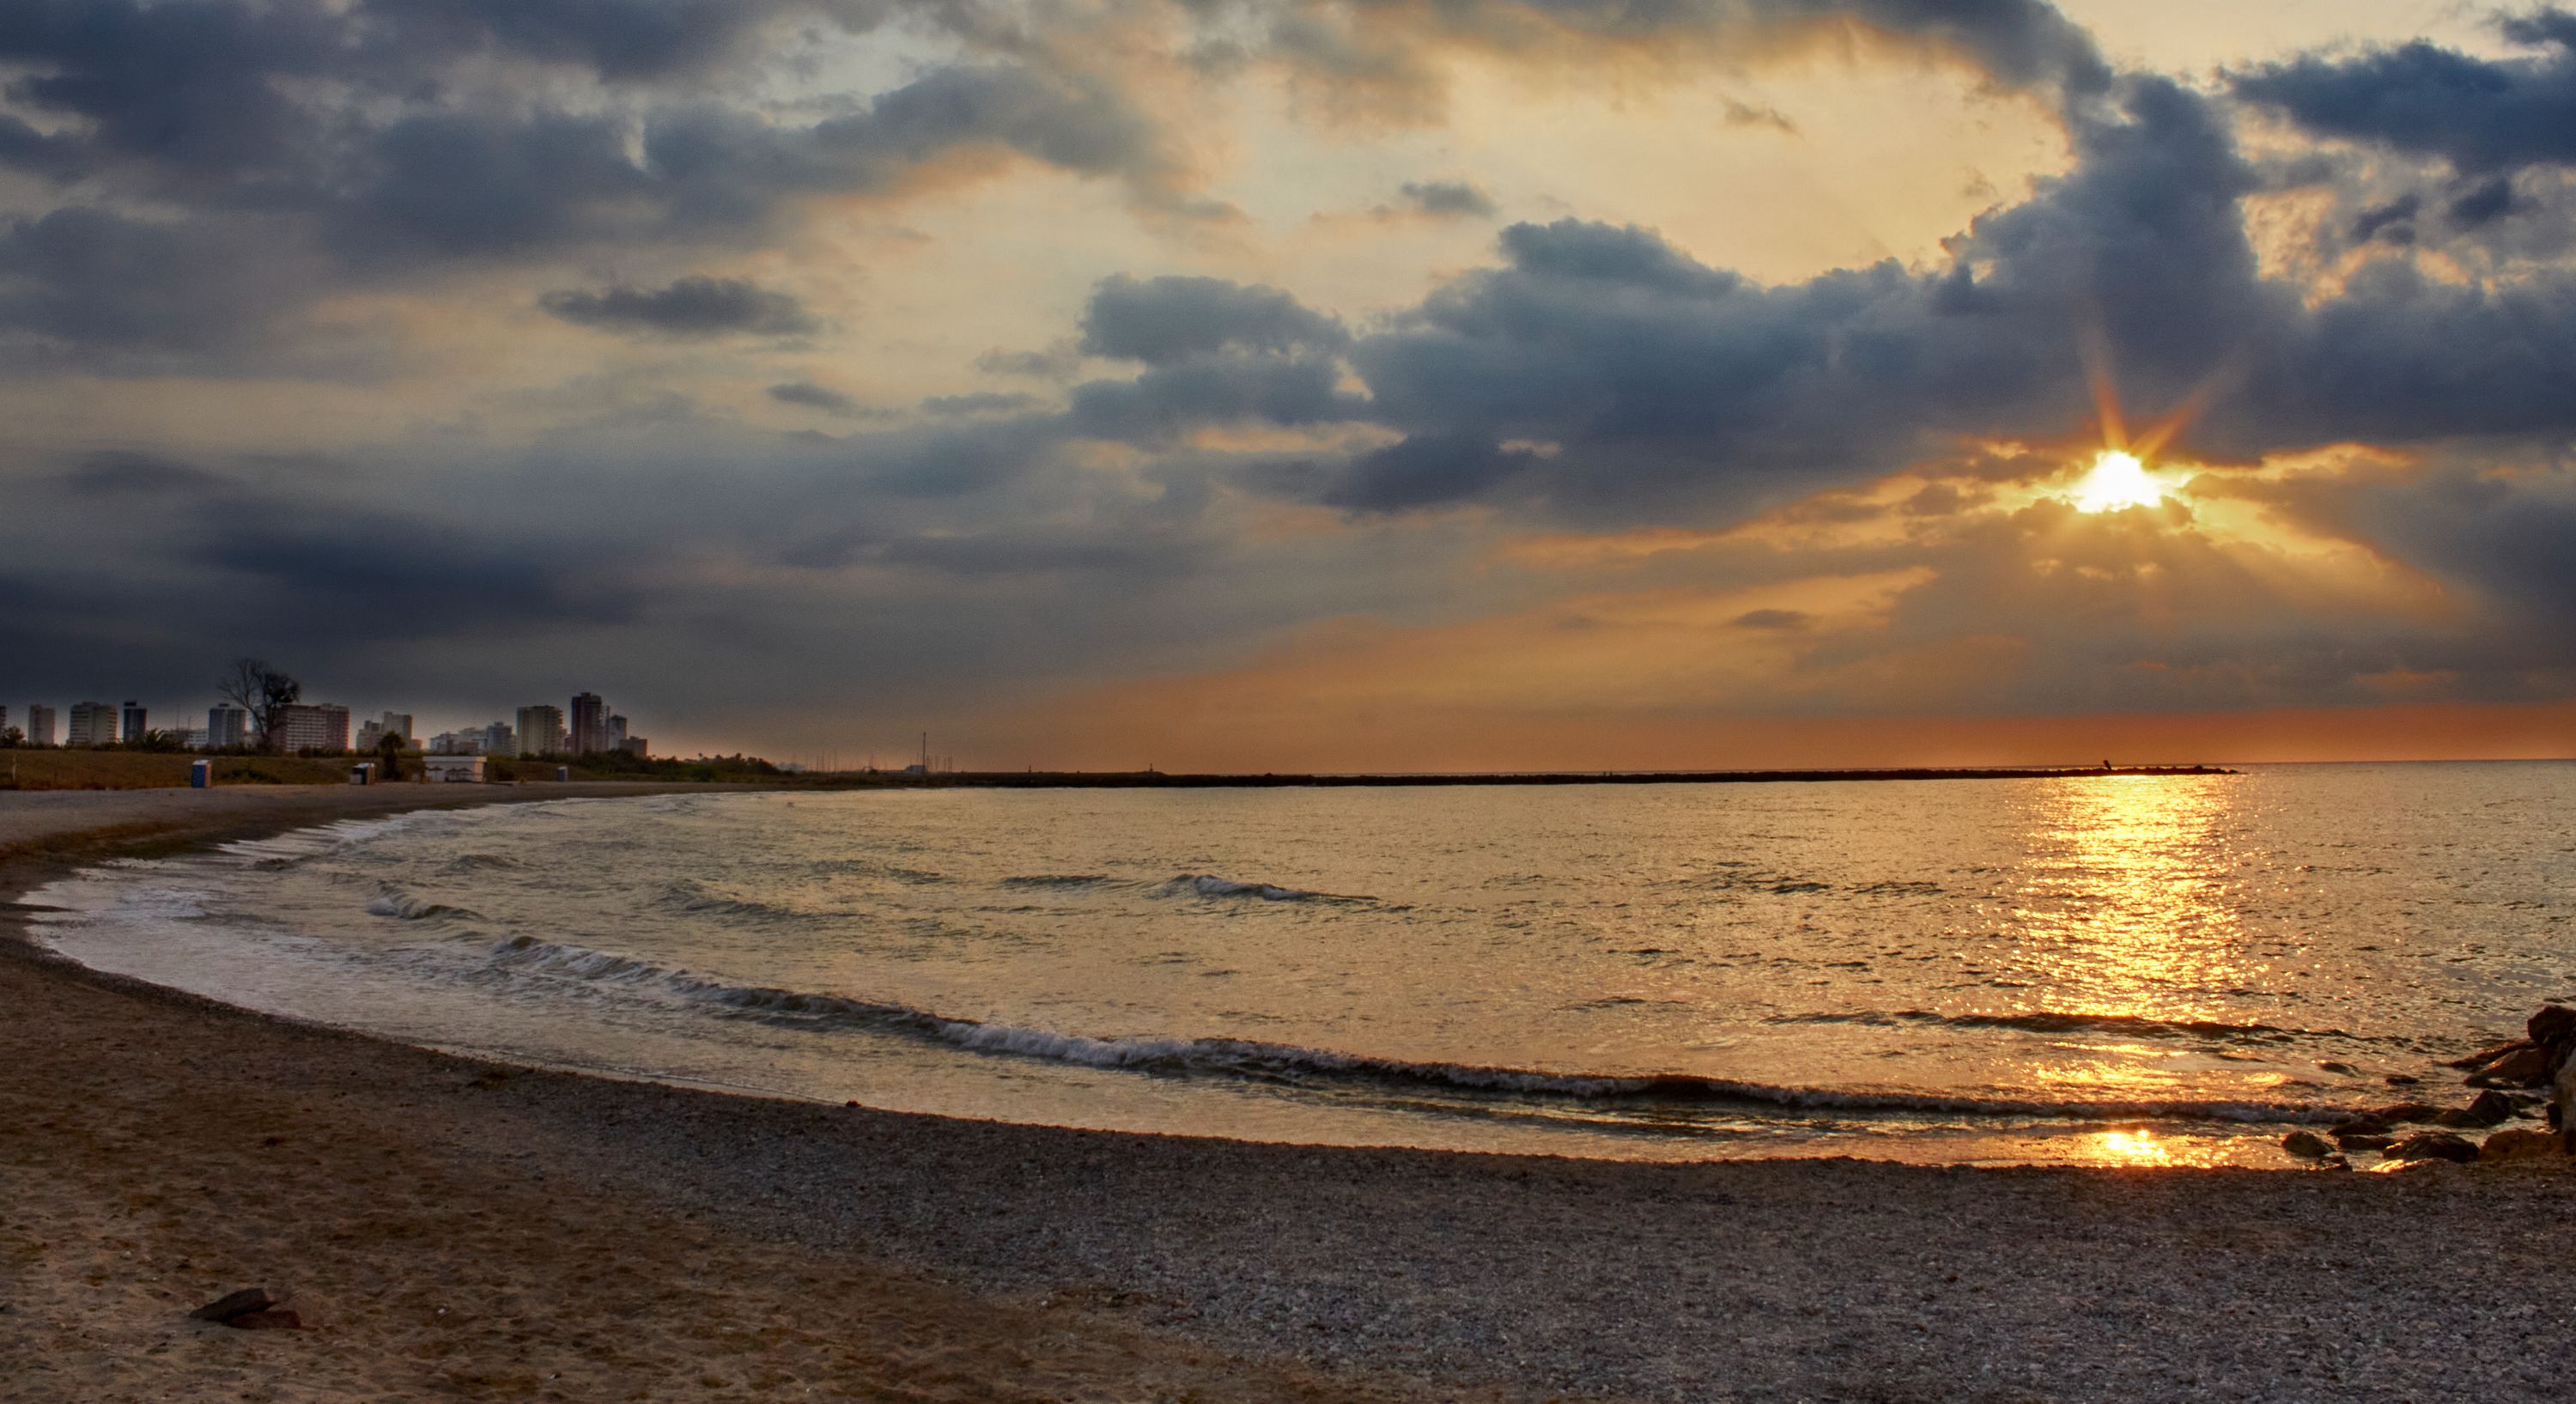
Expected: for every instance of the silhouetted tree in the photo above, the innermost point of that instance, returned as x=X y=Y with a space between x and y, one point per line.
x=260 y=690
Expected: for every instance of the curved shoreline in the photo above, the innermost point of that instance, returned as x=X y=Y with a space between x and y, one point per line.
x=1046 y=1262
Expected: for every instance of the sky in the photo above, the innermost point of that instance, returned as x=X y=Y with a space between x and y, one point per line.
x=1292 y=384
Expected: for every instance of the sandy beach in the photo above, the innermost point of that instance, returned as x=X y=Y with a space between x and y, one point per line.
x=453 y=1230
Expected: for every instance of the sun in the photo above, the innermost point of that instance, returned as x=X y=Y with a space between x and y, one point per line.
x=2117 y=480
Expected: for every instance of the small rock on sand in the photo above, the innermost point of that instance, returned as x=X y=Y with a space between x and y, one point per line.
x=2485 y=1056
x=2551 y=1023
x=2307 y=1145
x=2434 y=1145
x=2526 y=1066
x=234 y=1304
x=275 y=1319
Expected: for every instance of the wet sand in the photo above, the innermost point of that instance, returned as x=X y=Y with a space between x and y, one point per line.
x=453 y=1230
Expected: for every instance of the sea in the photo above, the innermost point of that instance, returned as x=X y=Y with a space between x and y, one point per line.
x=2086 y=969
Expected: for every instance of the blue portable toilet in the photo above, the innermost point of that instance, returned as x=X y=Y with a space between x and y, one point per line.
x=563 y=772
x=201 y=775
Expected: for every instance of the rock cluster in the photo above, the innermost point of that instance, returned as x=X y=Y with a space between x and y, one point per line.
x=2508 y=1076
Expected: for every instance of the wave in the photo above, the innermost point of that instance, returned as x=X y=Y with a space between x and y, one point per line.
x=393 y=902
x=872 y=868
x=2052 y=1021
x=1296 y=1065
x=1060 y=880
x=696 y=898
x=480 y=863
x=1208 y=885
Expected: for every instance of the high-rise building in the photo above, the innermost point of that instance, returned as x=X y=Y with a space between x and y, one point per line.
x=589 y=723
x=227 y=726
x=541 y=731
x=93 y=724
x=40 y=726
x=311 y=727
x=133 y=721
x=636 y=746
x=500 y=739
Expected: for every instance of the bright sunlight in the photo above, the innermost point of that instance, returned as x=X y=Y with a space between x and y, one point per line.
x=2117 y=480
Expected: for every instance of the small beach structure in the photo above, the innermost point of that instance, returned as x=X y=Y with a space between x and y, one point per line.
x=462 y=770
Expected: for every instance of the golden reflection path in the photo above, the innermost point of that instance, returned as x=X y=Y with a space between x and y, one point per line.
x=2128 y=905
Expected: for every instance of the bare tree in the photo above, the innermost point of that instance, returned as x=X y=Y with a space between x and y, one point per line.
x=260 y=690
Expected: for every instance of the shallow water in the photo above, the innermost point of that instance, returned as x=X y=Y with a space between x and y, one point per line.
x=2162 y=969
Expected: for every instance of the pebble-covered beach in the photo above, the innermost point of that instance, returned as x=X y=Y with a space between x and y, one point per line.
x=449 y=1229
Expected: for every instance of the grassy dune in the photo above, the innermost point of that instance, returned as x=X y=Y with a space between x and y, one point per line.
x=27 y=769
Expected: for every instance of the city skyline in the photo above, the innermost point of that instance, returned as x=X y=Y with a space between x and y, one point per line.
x=1298 y=385
x=306 y=724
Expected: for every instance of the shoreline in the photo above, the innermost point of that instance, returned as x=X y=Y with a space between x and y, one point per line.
x=152 y=1136
x=170 y=776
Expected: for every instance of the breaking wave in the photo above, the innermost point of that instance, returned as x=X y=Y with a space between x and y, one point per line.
x=2052 y=1021
x=1293 y=1065
x=1207 y=885
x=690 y=895
x=393 y=902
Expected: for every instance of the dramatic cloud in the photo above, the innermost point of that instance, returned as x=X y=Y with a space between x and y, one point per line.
x=1448 y=199
x=2481 y=115
x=690 y=307
x=812 y=396
x=962 y=359
x=1162 y=320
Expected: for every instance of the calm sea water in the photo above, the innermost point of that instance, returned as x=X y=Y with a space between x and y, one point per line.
x=2083 y=969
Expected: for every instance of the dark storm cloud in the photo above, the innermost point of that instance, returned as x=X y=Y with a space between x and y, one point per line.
x=1170 y=400
x=304 y=125
x=617 y=39
x=2504 y=538
x=689 y=307
x=1448 y=199
x=1162 y=320
x=384 y=576
x=90 y=278
x=1423 y=470
x=2393 y=221
x=980 y=402
x=121 y=473
x=1381 y=53
x=2481 y=115
x=812 y=396
x=2484 y=203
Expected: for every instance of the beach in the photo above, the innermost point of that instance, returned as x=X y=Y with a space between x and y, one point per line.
x=454 y=1229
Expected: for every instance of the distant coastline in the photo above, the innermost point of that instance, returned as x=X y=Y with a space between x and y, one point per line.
x=63 y=768
x=1153 y=779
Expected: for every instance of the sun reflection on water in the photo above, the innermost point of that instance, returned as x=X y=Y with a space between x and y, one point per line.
x=2128 y=902
x=2128 y=907
x=2133 y=1148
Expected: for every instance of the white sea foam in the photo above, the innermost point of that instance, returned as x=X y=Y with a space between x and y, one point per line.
x=1290 y=1063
